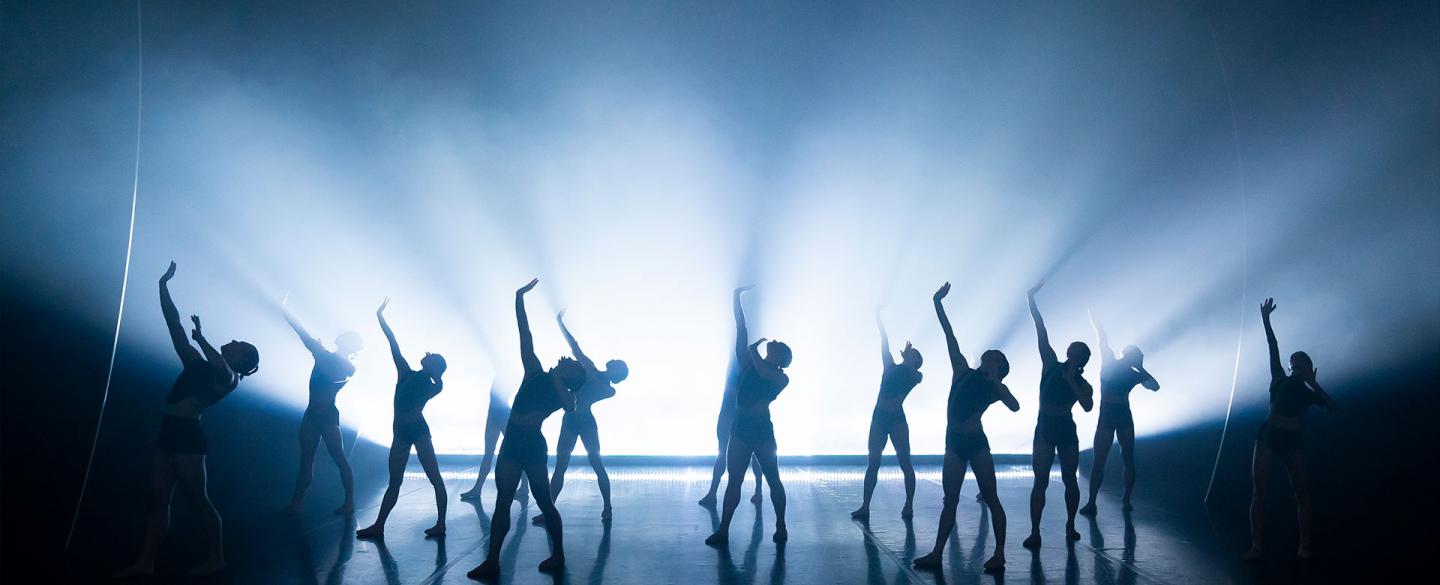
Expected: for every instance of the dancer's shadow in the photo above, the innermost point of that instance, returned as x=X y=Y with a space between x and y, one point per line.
x=728 y=573
x=388 y=566
x=602 y=556
x=311 y=571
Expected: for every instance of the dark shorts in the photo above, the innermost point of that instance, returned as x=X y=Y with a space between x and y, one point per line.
x=754 y=431
x=966 y=444
x=321 y=416
x=1117 y=416
x=525 y=446
x=887 y=421
x=1057 y=430
x=411 y=432
x=182 y=436
x=578 y=422
x=1280 y=441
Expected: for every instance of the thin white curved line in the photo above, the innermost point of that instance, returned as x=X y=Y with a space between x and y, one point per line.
x=125 y=279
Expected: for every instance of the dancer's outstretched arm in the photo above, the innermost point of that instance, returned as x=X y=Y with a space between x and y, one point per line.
x=527 y=341
x=574 y=345
x=310 y=341
x=1147 y=380
x=1007 y=398
x=744 y=353
x=1042 y=337
x=172 y=319
x=886 y=358
x=402 y=367
x=213 y=357
x=1102 y=340
x=1321 y=396
x=957 y=359
x=1277 y=371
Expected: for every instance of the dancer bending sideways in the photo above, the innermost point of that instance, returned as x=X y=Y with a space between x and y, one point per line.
x=523 y=451
x=413 y=388
x=208 y=376
x=972 y=390
x=1281 y=436
x=580 y=422
x=887 y=422
x=724 y=425
x=761 y=381
x=1061 y=385
x=496 y=418
x=322 y=419
x=1118 y=376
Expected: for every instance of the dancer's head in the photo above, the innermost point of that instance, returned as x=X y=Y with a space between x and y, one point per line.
x=1300 y=365
x=1077 y=355
x=778 y=354
x=1131 y=357
x=616 y=371
x=911 y=357
x=433 y=364
x=242 y=357
x=570 y=373
x=349 y=343
x=994 y=364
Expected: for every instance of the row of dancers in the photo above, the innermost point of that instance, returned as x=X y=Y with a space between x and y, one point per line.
x=744 y=429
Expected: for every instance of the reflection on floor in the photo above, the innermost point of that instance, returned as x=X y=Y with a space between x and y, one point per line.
x=657 y=532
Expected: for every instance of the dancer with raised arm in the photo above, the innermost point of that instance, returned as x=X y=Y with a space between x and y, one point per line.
x=413 y=389
x=887 y=422
x=972 y=390
x=1118 y=376
x=496 y=418
x=1062 y=384
x=321 y=420
x=761 y=381
x=580 y=422
x=207 y=377
x=524 y=451
x=724 y=425
x=1282 y=436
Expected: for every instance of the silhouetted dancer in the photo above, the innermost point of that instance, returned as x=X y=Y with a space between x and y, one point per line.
x=887 y=422
x=1062 y=384
x=761 y=380
x=1282 y=436
x=724 y=426
x=496 y=417
x=412 y=390
x=321 y=420
x=580 y=422
x=972 y=390
x=524 y=450
x=208 y=376
x=1118 y=376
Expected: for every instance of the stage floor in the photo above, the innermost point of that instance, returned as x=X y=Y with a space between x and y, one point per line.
x=658 y=530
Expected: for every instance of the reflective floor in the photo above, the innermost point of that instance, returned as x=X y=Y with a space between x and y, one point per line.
x=658 y=531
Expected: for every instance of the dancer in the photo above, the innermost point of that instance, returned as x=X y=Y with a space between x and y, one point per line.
x=888 y=420
x=1281 y=436
x=580 y=422
x=761 y=381
x=1118 y=376
x=322 y=419
x=412 y=390
x=207 y=378
x=972 y=390
x=724 y=425
x=1061 y=385
x=496 y=418
x=524 y=450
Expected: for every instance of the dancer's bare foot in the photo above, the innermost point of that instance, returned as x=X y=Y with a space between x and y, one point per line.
x=757 y=498
x=372 y=532
x=720 y=539
x=1031 y=542
x=1088 y=510
x=209 y=567
x=538 y=520
x=908 y=511
x=781 y=534
x=1127 y=506
x=930 y=561
x=1253 y=555
x=1071 y=534
x=863 y=513
x=980 y=498
x=135 y=570
x=606 y=514
x=345 y=509
x=487 y=571
x=556 y=562
x=471 y=495
x=437 y=530
x=996 y=562
x=708 y=501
